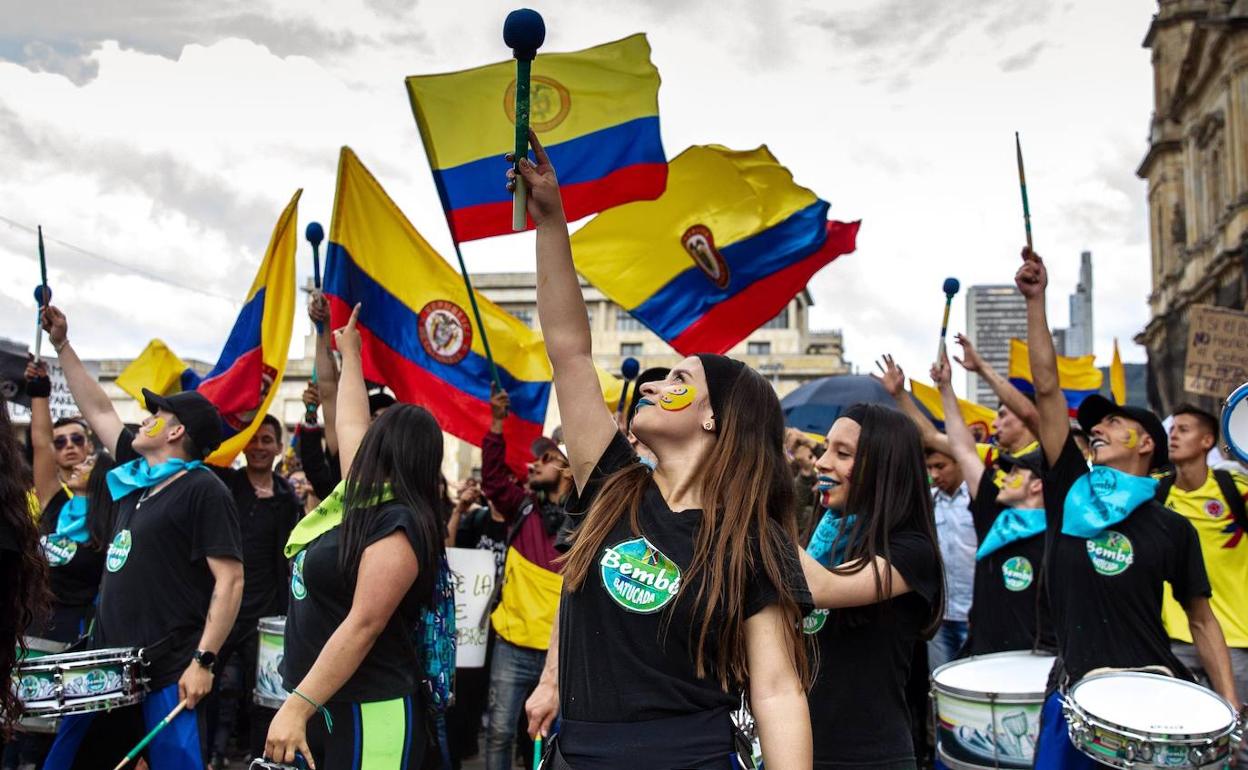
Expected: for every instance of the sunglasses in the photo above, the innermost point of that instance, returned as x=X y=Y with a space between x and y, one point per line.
x=60 y=442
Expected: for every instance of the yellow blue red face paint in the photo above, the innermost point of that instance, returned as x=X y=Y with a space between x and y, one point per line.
x=678 y=398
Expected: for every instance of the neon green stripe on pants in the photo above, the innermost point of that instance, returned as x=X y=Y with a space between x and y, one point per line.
x=383 y=734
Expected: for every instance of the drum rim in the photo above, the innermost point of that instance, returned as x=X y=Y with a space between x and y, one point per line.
x=88 y=706
x=981 y=696
x=1224 y=420
x=957 y=764
x=1069 y=698
x=272 y=623
x=115 y=654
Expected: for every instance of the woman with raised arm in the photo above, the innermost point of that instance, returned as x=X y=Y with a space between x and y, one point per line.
x=76 y=523
x=682 y=588
x=874 y=570
x=366 y=564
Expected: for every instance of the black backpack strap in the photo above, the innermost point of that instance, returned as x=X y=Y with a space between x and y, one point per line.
x=1164 y=485
x=1226 y=483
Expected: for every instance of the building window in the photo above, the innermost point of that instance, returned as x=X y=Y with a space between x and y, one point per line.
x=525 y=315
x=781 y=321
x=625 y=322
x=630 y=348
x=758 y=348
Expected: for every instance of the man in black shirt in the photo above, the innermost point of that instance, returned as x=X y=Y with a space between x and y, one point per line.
x=173 y=577
x=267 y=512
x=1110 y=546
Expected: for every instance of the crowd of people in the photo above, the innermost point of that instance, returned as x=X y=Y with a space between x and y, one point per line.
x=656 y=571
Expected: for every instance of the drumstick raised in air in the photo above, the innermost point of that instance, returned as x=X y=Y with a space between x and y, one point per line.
x=134 y=752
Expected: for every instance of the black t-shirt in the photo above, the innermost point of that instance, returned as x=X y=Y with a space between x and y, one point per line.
x=157 y=585
x=478 y=530
x=625 y=652
x=1106 y=593
x=74 y=569
x=1010 y=603
x=265 y=524
x=320 y=599
x=858 y=710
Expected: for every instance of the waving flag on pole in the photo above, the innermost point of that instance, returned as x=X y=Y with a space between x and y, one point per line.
x=1078 y=377
x=414 y=321
x=1118 y=377
x=596 y=112
x=724 y=249
x=929 y=400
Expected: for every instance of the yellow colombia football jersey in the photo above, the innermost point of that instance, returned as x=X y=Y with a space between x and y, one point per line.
x=1225 y=548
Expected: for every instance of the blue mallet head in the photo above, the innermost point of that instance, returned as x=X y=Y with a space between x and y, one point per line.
x=630 y=368
x=314 y=233
x=43 y=294
x=951 y=286
x=524 y=32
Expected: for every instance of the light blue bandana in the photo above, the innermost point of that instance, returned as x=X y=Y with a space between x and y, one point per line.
x=829 y=543
x=1102 y=498
x=1012 y=525
x=137 y=474
x=71 y=521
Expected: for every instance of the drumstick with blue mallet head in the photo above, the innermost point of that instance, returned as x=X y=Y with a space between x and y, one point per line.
x=629 y=369
x=951 y=287
x=43 y=296
x=523 y=32
x=315 y=234
x=162 y=724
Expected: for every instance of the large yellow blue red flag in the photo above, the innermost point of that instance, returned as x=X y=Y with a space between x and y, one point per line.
x=596 y=112
x=158 y=369
x=1078 y=377
x=415 y=324
x=729 y=243
x=245 y=379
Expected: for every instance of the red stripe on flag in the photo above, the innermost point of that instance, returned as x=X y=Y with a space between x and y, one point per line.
x=457 y=413
x=732 y=320
x=642 y=181
x=237 y=389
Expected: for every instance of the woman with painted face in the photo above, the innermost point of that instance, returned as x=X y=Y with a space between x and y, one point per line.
x=367 y=565
x=77 y=512
x=682 y=588
x=874 y=571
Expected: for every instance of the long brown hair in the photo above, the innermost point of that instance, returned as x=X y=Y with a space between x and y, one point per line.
x=747 y=506
x=24 y=595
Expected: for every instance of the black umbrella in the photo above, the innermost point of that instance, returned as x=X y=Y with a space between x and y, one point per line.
x=813 y=407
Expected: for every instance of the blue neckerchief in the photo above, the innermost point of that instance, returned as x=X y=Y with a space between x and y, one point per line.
x=71 y=522
x=137 y=474
x=1011 y=525
x=1103 y=497
x=829 y=543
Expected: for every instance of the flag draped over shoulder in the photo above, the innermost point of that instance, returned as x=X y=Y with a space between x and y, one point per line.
x=1077 y=377
x=416 y=325
x=245 y=379
x=929 y=400
x=720 y=253
x=596 y=111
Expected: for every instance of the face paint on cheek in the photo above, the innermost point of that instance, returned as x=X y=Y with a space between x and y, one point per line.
x=153 y=430
x=1014 y=482
x=678 y=398
x=1133 y=438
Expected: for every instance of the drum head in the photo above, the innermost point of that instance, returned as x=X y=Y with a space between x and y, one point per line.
x=1016 y=673
x=1235 y=423
x=1152 y=703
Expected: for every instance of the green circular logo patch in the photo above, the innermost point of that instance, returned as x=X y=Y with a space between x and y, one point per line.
x=1017 y=573
x=59 y=551
x=298 y=589
x=813 y=623
x=119 y=551
x=1111 y=553
x=638 y=576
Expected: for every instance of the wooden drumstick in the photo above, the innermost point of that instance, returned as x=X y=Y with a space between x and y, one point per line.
x=162 y=724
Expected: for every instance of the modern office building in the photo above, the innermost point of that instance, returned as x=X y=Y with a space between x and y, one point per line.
x=994 y=315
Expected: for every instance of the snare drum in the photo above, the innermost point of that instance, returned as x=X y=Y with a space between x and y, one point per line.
x=1133 y=719
x=269 y=692
x=988 y=709
x=1235 y=423
x=80 y=682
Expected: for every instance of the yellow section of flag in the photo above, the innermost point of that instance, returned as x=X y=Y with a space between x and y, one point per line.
x=1118 y=377
x=157 y=368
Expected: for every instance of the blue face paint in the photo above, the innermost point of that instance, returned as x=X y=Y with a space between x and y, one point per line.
x=649 y=462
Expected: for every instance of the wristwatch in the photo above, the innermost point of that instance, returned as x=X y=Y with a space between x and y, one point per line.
x=205 y=658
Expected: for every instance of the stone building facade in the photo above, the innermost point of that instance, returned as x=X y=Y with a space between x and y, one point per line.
x=1197 y=172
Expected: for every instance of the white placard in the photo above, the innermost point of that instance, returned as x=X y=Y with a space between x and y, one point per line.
x=473 y=570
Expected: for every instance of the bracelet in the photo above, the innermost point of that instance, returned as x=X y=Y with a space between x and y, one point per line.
x=324 y=712
x=60 y=347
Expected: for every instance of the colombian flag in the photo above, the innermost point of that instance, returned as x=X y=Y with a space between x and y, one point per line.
x=929 y=401
x=244 y=381
x=415 y=320
x=1078 y=377
x=725 y=248
x=596 y=112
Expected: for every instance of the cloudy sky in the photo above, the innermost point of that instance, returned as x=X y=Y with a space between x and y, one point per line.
x=157 y=141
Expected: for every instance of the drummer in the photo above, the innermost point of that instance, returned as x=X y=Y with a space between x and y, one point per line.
x=1111 y=545
x=1009 y=611
x=173 y=575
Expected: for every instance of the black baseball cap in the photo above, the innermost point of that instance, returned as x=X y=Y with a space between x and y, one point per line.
x=1030 y=461
x=1096 y=408
x=541 y=445
x=196 y=413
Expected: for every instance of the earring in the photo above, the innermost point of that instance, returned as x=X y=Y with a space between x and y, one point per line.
x=708 y=425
